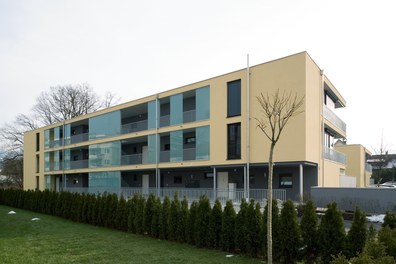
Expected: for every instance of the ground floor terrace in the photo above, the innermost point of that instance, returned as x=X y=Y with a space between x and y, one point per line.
x=223 y=182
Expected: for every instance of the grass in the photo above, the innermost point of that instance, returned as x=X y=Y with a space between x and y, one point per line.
x=55 y=240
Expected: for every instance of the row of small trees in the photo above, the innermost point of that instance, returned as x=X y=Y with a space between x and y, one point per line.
x=209 y=226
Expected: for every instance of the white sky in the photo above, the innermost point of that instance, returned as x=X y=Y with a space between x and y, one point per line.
x=138 y=48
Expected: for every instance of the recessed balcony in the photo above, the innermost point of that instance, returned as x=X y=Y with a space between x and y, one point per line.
x=335 y=121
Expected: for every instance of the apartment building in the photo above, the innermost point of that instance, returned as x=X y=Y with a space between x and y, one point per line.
x=201 y=138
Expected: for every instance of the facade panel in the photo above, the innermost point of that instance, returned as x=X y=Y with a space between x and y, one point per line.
x=106 y=125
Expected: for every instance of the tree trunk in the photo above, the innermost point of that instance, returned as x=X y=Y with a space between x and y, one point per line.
x=269 y=202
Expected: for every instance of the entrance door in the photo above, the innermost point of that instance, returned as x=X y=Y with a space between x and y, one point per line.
x=144 y=155
x=222 y=184
x=145 y=184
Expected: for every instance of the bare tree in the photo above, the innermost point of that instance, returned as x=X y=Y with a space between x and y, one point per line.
x=65 y=102
x=12 y=172
x=276 y=110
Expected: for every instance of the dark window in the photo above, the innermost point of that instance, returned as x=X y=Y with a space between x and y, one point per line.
x=286 y=180
x=234 y=141
x=234 y=98
x=189 y=140
x=208 y=175
x=37 y=163
x=37 y=183
x=177 y=179
x=167 y=147
x=37 y=141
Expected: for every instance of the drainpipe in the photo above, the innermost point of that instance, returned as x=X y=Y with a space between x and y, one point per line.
x=247 y=187
x=156 y=148
x=63 y=156
x=321 y=146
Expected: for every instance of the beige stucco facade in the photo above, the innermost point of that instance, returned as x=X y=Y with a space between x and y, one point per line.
x=299 y=152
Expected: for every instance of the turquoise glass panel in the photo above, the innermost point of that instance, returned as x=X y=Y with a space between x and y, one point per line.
x=57 y=137
x=152 y=115
x=106 y=125
x=105 y=154
x=176 y=109
x=56 y=160
x=109 y=181
x=202 y=103
x=46 y=138
x=202 y=150
x=46 y=161
x=48 y=182
x=152 y=149
x=66 y=134
x=176 y=146
x=66 y=159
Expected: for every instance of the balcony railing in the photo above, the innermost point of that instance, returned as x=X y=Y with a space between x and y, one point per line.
x=333 y=118
x=79 y=164
x=79 y=138
x=189 y=154
x=164 y=121
x=132 y=159
x=189 y=116
x=134 y=127
x=191 y=194
x=165 y=156
x=333 y=155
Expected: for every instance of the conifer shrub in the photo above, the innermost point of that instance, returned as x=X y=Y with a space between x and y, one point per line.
x=183 y=222
x=192 y=216
x=202 y=222
x=228 y=227
x=275 y=230
x=309 y=232
x=215 y=222
x=132 y=205
x=241 y=227
x=157 y=207
x=174 y=215
x=253 y=223
x=290 y=234
x=139 y=215
x=331 y=233
x=387 y=237
x=121 y=221
x=357 y=235
x=164 y=219
x=390 y=220
x=148 y=213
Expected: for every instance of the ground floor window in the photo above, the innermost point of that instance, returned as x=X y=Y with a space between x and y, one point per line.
x=285 y=180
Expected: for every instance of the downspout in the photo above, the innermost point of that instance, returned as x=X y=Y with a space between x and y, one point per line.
x=156 y=147
x=247 y=129
x=321 y=145
x=63 y=156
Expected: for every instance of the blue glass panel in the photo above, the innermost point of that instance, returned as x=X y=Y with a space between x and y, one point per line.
x=176 y=146
x=66 y=159
x=202 y=97
x=66 y=134
x=152 y=115
x=46 y=161
x=202 y=149
x=46 y=138
x=105 y=154
x=56 y=160
x=176 y=109
x=106 y=181
x=48 y=182
x=57 y=137
x=106 y=125
x=152 y=149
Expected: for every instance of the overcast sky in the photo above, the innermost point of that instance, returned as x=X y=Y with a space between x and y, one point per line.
x=139 y=48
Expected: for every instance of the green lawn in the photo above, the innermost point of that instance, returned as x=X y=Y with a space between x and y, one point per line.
x=55 y=240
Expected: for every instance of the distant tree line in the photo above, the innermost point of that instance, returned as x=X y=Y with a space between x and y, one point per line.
x=207 y=226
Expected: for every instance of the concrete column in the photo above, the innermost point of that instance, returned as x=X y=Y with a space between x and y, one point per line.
x=301 y=183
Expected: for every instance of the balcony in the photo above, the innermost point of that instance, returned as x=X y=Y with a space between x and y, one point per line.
x=334 y=119
x=134 y=127
x=331 y=154
x=79 y=138
x=79 y=164
x=189 y=116
x=165 y=156
x=164 y=120
x=132 y=159
x=189 y=154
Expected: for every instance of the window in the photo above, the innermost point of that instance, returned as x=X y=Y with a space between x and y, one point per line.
x=189 y=140
x=177 y=180
x=234 y=141
x=234 y=98
x=167 y=146
x=285 y=180
x=37 y=141
x=37 y=183
x=208 y=175
x=37 y=163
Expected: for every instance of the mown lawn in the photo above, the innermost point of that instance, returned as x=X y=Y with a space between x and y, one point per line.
x=55 y=240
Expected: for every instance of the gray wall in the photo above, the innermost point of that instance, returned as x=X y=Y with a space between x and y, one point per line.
x=369 y=200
